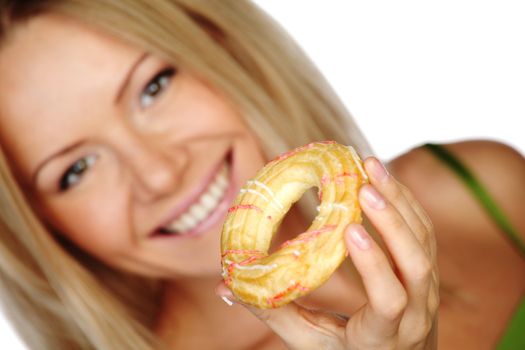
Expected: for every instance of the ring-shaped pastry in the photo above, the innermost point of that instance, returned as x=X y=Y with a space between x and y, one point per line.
x=302 y=264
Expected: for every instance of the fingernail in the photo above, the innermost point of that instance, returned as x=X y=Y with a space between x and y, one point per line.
x=226 y=300
x=373 y=197
x=222 y=290
x=359 y=237
x=225 y=294
x=378 y=170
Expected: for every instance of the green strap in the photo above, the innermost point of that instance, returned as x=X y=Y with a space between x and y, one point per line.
x=479 y=191
x=514 y=337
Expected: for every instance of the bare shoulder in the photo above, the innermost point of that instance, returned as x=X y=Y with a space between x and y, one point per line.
x=481 y=271
x=498 y=167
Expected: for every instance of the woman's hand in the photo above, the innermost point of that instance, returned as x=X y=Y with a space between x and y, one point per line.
x=402 y=288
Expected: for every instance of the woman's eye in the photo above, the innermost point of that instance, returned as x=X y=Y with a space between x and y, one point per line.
x=155 y=87
x=75 y=172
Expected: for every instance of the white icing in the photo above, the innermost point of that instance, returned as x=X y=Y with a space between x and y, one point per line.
x=339 y=206
x=267 y=189
x=256 y=267
x=250 y=267
x=333 y=206
x=358 y=162
x=257 y=193
x=335 y=160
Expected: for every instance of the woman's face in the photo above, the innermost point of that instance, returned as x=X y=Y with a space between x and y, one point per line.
x=132 y=159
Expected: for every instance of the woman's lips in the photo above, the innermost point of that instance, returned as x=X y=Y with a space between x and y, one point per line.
x=204 y=206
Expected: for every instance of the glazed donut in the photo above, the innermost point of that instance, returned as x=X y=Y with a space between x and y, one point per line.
x=302 y=264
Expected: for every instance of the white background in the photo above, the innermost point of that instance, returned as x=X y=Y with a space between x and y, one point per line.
x=413 y=71
x=416 y=71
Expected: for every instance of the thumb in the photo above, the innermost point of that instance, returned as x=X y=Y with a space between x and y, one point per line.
x=268 y=316
x=298 y=327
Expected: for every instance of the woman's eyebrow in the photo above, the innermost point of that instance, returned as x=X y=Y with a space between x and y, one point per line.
x=128 y=76
x=74 y=145
x=54 y=155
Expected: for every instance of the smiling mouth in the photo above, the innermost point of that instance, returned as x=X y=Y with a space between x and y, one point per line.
x=203 y=208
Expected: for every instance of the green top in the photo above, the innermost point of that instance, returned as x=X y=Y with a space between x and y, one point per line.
x=514 y=337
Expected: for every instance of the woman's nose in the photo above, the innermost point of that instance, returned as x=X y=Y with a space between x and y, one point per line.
x=155 y=169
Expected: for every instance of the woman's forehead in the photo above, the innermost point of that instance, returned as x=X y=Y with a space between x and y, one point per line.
x=48 y=44
x=52 y=69
x=51 y=62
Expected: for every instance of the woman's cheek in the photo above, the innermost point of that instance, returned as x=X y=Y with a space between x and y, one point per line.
x=98 y=223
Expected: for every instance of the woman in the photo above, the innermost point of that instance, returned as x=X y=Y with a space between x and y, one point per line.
x=149 y=117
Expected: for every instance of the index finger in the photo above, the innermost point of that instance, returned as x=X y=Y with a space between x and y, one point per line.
x=379 y=319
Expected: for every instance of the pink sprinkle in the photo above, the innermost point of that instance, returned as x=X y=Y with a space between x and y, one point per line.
x=242 y=251
x=300 y=149
x=249 y=260
x=282 y=294
x=338 y=179
x=284 y=156
x=308 y=235
x=244 y=206
x=354 y=175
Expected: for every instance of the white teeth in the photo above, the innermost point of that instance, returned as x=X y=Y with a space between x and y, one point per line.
x=198 y=212
x=188 y=220
x=216 y=190
x=179 y=226
x=222 y=181
x=202 y=207
x=208 y=200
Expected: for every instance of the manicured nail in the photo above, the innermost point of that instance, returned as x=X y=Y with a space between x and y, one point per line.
x=226 y=300
x=378 y=170
x=222 y=290
x=373 y=197
x=359 y=237
x=225 y=294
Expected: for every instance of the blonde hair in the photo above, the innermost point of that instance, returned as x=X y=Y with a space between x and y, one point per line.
x=59 y=298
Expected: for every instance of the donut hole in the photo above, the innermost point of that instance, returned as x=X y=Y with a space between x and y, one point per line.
x=297 y=220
